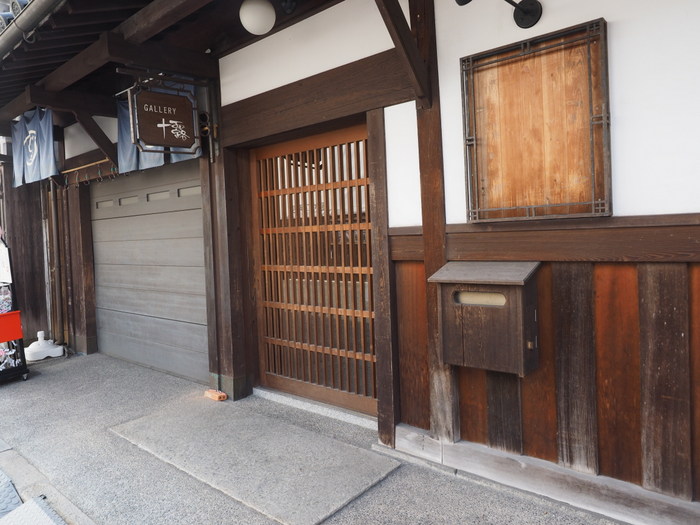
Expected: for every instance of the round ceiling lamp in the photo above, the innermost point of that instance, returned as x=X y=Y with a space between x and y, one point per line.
x=257 y=16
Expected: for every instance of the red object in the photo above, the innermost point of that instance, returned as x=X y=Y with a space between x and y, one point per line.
x=10 y=327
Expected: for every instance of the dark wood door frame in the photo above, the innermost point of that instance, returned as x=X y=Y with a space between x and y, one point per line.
x=326 y=100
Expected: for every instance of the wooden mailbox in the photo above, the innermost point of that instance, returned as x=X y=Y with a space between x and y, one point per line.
x=489 y=315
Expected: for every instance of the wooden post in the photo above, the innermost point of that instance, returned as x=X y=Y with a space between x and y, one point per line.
x=83 y=269
x=388 y=408
x=444 y=396
x=229 y=365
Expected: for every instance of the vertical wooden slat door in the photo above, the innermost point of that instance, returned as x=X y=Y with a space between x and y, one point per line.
x=314 y=268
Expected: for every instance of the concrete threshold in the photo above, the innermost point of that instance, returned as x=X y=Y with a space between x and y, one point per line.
x=606 y=496
x=314 y=407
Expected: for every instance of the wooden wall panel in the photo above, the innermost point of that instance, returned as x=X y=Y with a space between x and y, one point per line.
x=665 y=378
x=574 y=338
x=617 y=371
x=505 y=427
x=411 y=312
x=539 y=396
x=694 y=282
x=24 y=236
x=473 y=404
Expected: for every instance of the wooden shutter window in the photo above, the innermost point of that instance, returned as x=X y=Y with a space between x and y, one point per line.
x=537 y=128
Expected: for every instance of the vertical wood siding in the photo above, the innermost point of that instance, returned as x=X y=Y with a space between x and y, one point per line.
x=413 y=344
x=665 y=361
x=617 y=391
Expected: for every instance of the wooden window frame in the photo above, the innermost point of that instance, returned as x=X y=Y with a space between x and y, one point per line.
x=593 y=195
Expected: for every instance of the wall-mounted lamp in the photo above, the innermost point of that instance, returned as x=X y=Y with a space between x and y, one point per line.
x=527 y=13
x=258 y=16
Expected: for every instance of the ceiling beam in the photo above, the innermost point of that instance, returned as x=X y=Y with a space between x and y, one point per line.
x=81 y=65
x=161 y=57
x=97 y=135
x=72 y=101
x=90 y=6
x=156 y=17
x=149 y=21
x=407 y=49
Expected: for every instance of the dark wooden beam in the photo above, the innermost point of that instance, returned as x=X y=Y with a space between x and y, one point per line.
x=80 y=66
x=97 y=135
x=407 y=49
x=7 y=159
x=72 y=101
x=156 y=17
x=18 y=106
x=90 y=6
x=60 y=21
x=161 y=57
x=370 y=83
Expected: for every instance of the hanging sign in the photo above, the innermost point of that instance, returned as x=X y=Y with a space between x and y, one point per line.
x=164 y=119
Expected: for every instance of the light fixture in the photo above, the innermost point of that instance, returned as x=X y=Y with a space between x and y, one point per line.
x=527 y=13
x=257 y=16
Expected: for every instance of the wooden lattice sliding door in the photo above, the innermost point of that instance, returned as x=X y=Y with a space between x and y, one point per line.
x=314 y=268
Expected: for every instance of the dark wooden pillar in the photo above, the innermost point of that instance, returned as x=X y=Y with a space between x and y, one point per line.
x=444 y=396
x=225 y=264
x=83 y=269
x=388 y=407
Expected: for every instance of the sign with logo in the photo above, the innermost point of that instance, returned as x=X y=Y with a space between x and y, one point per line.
x=164 y=119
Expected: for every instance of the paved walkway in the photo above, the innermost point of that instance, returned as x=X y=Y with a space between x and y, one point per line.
x=113 y=443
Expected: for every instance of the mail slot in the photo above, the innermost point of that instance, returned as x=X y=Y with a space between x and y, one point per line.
x=489 y=315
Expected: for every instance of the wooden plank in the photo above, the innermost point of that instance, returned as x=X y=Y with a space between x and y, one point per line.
x=645 y=244
x=24 y=236
x=367 y=84
x=83 y=269
x=385 y=333
x=81 y=65
x=617 y=371
x=694 y=314
x=665 y=381
x=406 y=247
x=405 y=44
x=444 y=394
x=411 y=316
x=73 y=101
x=538 y=388
x=473 y=404
x=157 y=16
x=572 y=294
x=505 y=425
x=161 y=57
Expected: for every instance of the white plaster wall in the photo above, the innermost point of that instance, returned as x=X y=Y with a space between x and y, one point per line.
x=403 y=173
x=78 y=142
x=654 y=92
x=342 y=34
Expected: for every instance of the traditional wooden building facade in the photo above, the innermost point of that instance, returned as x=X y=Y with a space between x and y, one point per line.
x=348 y=156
